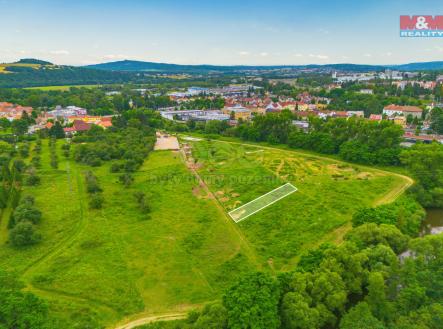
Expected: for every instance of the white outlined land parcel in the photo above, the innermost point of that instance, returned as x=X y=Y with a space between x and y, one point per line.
x=261 y=202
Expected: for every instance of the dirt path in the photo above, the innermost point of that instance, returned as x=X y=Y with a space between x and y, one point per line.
x=153 y=318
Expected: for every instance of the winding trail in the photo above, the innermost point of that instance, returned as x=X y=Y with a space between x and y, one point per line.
x=153 y=318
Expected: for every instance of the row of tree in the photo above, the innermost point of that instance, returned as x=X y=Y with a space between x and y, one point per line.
x=361 y=284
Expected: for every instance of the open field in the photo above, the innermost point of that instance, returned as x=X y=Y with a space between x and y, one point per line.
x=119 y=265
x=3 y=67
x=329 y=192
x=115 y=262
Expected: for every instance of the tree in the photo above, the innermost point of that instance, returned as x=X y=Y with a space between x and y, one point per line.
x=20 y=309
x=370 y=235
x=425 y=162
x=57 y=131
x=213 y=316
x=296 y=312
x=20 y=127
x=252 y=302
x=23 y=234
x=437 y=120
x=360 y=317
x=376 y=297
x=96 y=201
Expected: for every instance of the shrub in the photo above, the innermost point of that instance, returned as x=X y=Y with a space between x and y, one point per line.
x=126 y=179
x=92 y=185
x=96 y=201
x=115 y=167
x=23 y=234
x=36 y=161
x=142 y=202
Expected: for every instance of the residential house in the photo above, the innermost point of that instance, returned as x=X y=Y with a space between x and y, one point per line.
x=395 y=110
x=12 y=111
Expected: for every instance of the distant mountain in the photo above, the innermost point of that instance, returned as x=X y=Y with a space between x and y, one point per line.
x=140 y=66
x=34 y=72
x=423 y=66
x=33 y=61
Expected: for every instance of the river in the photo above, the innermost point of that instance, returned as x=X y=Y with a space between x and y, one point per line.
x=433 y=223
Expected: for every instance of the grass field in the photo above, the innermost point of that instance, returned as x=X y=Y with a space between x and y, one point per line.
x=3 y=67
x=115 y=262
x=329 y=192
x=103 y=266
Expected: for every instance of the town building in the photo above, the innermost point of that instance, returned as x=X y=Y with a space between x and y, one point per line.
x=239 y=112
x=395 y=110
x=13 y=111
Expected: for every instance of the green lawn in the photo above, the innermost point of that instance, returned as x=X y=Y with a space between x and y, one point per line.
x=329 y=192
x=100 y=266
x=115 y=262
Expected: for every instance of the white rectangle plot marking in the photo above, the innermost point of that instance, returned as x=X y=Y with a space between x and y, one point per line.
x=261 y=202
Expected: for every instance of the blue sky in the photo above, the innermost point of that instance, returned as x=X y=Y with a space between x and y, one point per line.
x=215 y=32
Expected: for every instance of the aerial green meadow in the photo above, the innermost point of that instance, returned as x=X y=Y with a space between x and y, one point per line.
x=329 y=192
x=102 y=266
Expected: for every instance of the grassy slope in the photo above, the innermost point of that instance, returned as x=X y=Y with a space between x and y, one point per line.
x=112 y=263
x=115 y=262
x=329 y=193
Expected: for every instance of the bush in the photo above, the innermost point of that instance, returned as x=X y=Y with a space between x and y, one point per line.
x=142 y=202
x=92 y=185
x=126 y=179
x=23 y=234
x=96 y=201
x=36 y=161
x=115 y=167
x=406 y=214
x=32 y=180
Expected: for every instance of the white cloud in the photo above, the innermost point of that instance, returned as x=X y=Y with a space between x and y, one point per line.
x=319 y=56
x=298 y=55
x=59 y=52
x=367 y=55
x=264 y=54
x=323 y=31
x=244 y=53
